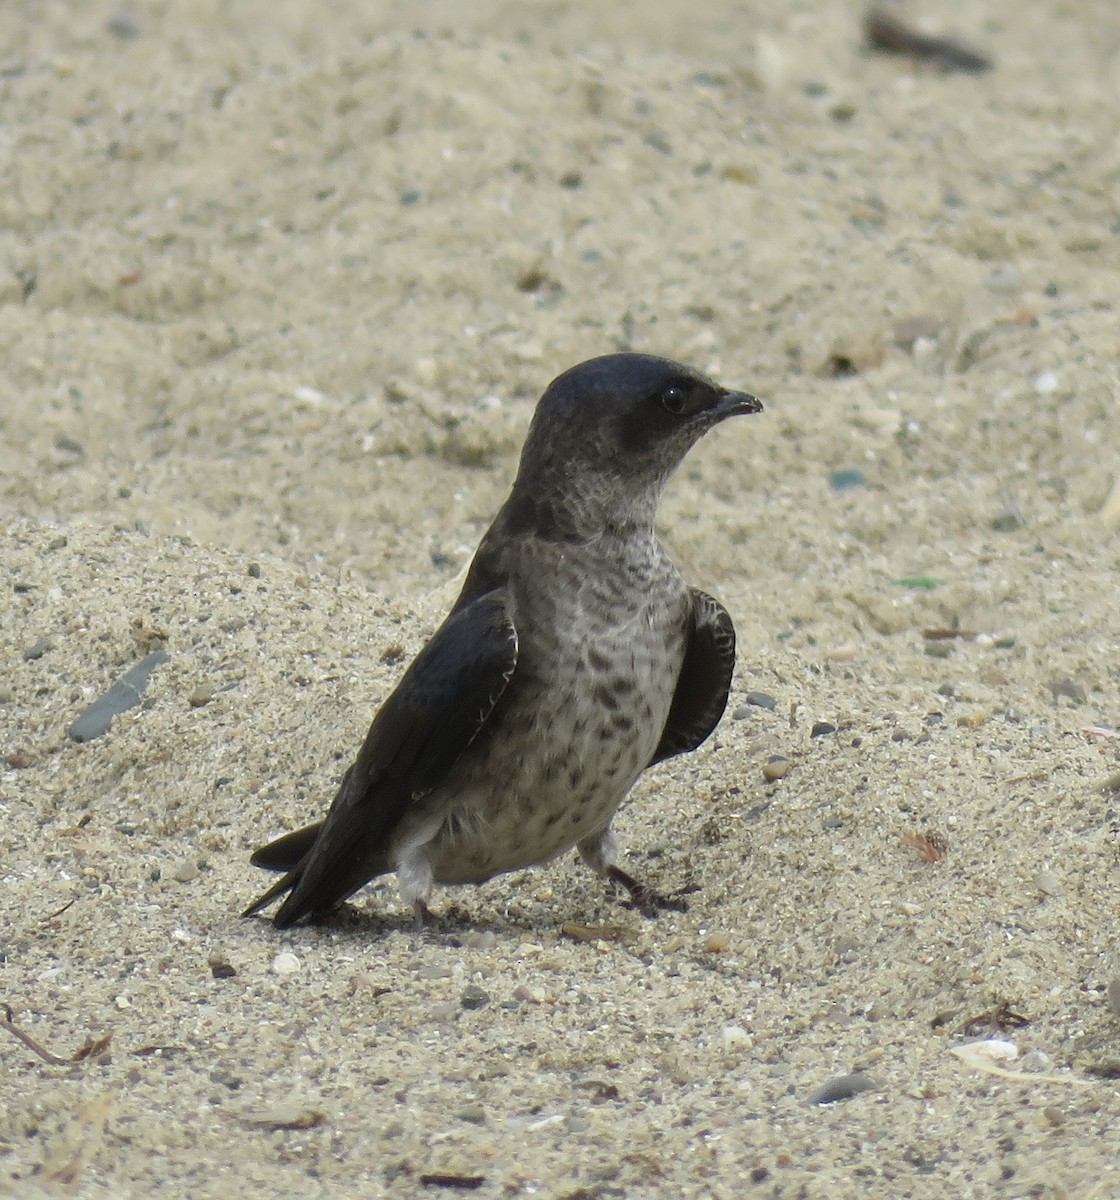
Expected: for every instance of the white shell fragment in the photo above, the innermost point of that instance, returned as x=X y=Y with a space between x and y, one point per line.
x=982 y=1056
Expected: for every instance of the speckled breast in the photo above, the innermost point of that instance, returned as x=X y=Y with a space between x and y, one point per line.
x=599 y=656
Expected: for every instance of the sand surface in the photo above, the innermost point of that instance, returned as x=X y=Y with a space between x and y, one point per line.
x=279 y=285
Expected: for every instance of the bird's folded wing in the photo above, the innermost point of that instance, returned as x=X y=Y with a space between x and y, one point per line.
x=434 y=714
x=705 y=679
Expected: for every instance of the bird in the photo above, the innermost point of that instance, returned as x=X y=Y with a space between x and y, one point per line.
x=574 y=657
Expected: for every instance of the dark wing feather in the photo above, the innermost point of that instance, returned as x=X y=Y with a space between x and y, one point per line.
x=704 y=681
x=433 y=715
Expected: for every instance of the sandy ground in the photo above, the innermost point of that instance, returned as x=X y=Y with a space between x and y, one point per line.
x=280 y=283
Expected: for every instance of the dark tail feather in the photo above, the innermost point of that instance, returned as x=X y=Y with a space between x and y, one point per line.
x=278 y=889
x=287 y=852
x=318 y=876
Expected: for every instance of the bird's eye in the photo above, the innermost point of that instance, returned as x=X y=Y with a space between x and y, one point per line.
x=673 y=400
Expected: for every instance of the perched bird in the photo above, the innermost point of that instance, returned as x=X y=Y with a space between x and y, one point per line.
x=574 y=657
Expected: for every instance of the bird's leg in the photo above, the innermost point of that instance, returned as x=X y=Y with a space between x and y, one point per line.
x=425 y=921
x=414 y=882
x=600 y=850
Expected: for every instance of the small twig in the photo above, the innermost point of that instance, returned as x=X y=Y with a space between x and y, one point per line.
x=91 y=1051
x=466 y=1183
x=51 y=916
x=30 y=1042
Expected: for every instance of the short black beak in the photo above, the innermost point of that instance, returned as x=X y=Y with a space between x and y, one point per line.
x=733 y=404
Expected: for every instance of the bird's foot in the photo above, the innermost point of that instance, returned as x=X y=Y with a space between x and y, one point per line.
x=428 y=930
x=648 y=902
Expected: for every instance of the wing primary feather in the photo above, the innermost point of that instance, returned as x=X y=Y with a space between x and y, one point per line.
x=704 y=682
x=439 y=707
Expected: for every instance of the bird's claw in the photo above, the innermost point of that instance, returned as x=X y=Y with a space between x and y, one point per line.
x=648 y=902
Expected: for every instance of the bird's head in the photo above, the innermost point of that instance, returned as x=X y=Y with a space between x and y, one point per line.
x=608 y=433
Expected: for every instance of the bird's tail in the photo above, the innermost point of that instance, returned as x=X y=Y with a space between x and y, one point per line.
x=288 y=851
x=288 y=854
x=278 y=889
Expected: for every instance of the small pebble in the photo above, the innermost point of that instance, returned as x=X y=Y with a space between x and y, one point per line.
x=775 y=768
x=286 y=963
x=474 y=997
x=199 y=697
x=1008 y=520
x=185 y=871
x=1037 y=1061
x=481 y=939
x=1114 y=995
x=474 y=1113
x=434 y=971
x=843 y=1087
x=1045 y=383
x=735 y=1037
x=1069 y=689
x=38 y=648
x=1048 y=883
x=846 y=947
x=821 y=729
x=367 y=981
x=123 y=695
x=716 y=942
x=122 y=24
x=1054 y=1115
x=761 y=700
x=850 y=477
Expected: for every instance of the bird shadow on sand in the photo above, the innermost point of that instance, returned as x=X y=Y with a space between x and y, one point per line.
x=454 y=922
